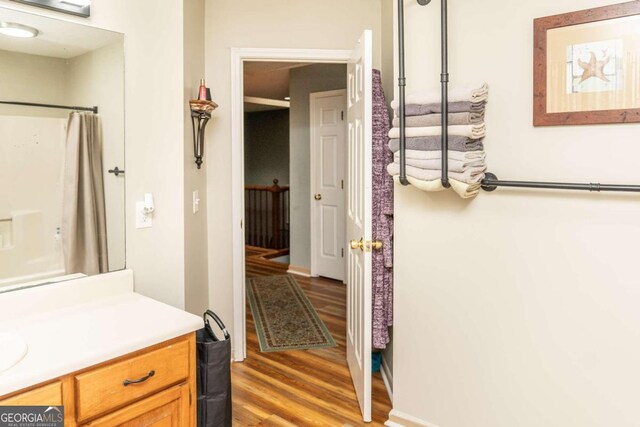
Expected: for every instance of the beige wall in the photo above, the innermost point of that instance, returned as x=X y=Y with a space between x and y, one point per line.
x=32 y=78
x=387 y=53
x=155 y=147
x=518 y=308
x=195 y=226
x=331 y=24
x=154 y=129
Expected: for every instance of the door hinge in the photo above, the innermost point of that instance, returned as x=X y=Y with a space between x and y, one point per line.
x=342 y=184
x=190 y=398
x=342 y=115
x=342 y=252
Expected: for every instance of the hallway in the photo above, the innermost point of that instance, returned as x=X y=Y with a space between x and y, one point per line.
x=300 y=388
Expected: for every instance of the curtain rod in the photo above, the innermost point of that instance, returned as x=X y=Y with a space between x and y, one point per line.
x=60 y=107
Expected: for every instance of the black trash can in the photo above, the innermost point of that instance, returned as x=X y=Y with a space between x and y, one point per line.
x=214 y=375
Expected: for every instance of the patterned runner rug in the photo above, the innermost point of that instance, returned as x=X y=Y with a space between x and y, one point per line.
x=284 y=316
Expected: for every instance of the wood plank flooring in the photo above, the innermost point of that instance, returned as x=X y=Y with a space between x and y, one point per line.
x=301 y=388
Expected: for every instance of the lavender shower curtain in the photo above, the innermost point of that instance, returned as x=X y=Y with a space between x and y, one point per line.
x=382 y=218
x=84 y=229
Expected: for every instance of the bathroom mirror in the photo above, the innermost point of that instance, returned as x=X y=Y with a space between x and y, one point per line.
x=62 y=205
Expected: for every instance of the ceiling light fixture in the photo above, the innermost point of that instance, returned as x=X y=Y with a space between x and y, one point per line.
x=12 y=29
x=287 y=98
x=73 y=7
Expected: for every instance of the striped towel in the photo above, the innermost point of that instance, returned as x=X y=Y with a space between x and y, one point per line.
x=433 y=143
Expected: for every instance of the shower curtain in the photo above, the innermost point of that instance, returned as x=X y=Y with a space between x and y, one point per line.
x=84 y=229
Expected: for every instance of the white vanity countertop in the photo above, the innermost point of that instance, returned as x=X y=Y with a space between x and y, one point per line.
x=77 y=336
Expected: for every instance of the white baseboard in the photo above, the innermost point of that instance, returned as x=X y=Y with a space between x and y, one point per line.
x=399 y=419
x=387 y=377
x=300 y=271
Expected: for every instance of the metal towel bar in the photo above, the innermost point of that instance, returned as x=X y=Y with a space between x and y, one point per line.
x=402 y=84
x=491 y=183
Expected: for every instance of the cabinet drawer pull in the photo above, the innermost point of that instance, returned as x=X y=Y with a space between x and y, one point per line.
x=141 y=380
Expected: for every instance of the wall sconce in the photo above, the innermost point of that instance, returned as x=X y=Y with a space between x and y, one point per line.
x=200 y=115
x=73 y=7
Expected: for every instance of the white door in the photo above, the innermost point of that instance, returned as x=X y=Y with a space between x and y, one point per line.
x=360 y=131
x=328 y=151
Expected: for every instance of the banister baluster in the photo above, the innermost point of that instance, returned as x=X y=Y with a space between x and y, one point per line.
x=267 y=216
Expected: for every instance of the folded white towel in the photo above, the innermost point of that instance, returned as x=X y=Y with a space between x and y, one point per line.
x=466 y=191
x=436 y=164
x=471 y=175
x=477 y=131
x=478 y=92
x=462 y=156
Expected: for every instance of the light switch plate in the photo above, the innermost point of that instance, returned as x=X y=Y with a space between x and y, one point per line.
x=141 y=220
x=196 y=201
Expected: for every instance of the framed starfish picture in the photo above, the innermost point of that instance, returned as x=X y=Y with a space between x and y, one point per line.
x=587 y=66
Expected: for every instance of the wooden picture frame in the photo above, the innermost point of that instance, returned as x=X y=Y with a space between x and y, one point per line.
x=550 y=105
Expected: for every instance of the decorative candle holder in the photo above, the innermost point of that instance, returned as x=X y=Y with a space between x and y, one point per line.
x=200 y=116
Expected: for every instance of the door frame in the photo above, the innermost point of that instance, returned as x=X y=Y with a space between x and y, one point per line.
x=314 y=220
x=238 y=57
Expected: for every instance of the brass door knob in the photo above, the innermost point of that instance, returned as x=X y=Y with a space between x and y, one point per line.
x=367 y=246
x=355 y=244
x=318 y=196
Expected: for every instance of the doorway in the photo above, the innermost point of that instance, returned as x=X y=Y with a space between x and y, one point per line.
x=294 y=165
x=239 y=57
x=357 y=342
x=294 y=227
x=294 y=197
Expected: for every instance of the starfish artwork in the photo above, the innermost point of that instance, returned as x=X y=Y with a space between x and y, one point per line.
x=595 y=67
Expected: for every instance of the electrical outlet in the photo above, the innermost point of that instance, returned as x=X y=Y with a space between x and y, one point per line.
x=196 y=201
x=143 y=220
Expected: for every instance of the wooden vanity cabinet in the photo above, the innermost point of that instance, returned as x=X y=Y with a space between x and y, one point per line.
x=50 y=393
x=152 y=387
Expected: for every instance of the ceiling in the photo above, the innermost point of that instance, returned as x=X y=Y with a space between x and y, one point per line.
x=268 y=80
x=57 y=39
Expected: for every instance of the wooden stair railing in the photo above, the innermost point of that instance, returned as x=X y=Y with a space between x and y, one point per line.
x=267 y=216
